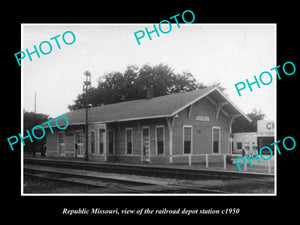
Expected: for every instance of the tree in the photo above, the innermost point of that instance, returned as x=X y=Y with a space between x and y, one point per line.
x=241 y=125
x=134 y=84
x=30 y=120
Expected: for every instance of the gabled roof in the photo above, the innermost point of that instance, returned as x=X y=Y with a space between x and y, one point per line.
x=157 y=107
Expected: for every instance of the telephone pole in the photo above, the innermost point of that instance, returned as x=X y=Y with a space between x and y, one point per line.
x=35 y=121
x=35 y=103
x=86 y=86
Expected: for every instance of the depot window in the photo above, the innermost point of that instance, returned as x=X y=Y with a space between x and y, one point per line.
x=101 y=141
x=93 y=141
x=216 y=140
x=187 y=139
x=128 y=140
x=160 y=140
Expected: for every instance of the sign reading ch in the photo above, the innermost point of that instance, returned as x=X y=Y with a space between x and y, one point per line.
x=265 y=126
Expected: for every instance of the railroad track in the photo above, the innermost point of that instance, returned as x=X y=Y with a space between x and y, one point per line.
x=144 y=170
x=115 y=186
x=112 y=183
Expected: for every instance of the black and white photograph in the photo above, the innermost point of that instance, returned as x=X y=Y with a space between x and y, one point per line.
x=144 y=111
x=181 y=113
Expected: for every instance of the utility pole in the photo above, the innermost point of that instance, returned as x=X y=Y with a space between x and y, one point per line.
x=35 y=103
x=86 y=86
x=35 y=121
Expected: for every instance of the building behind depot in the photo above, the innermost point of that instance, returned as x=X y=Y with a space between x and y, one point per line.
x=253 y=141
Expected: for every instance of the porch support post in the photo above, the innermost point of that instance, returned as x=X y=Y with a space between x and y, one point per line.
x=170 y=121
x=219 y=106
x=139 y=129
x=104 y=143
x=232 y=118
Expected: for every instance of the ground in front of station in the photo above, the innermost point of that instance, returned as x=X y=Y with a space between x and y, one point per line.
x=242 y=185
x=37 y=185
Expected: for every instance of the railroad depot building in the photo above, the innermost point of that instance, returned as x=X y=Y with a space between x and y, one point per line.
x=163 y=129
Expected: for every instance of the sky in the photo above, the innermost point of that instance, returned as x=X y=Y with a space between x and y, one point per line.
x=225 y=53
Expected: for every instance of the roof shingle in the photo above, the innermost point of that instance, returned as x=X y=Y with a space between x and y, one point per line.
x=161 y=106
x=157 y=107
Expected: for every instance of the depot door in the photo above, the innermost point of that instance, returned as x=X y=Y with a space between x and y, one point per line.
x=79 y=145
x=111 y=142
x=146 y=144
x=61 y=144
